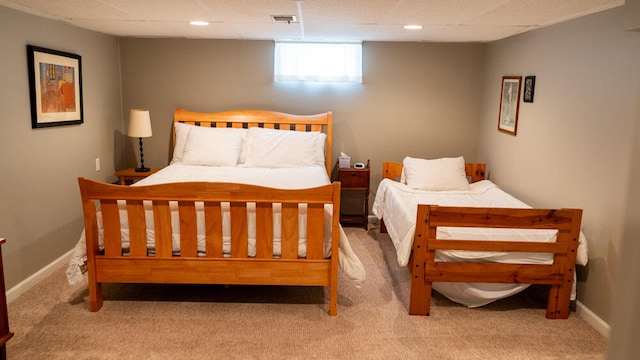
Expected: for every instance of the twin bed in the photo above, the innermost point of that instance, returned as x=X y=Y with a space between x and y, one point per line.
x=474 y=243
x=247 y=199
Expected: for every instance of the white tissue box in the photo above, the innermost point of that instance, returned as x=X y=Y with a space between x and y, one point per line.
x=344 y=162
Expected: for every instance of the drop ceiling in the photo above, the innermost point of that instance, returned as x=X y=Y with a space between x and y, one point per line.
x=316 y=20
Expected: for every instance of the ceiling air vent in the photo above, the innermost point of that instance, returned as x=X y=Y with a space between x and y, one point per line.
x=283 y=18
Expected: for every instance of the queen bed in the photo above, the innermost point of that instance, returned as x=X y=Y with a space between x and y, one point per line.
x=246 y=199
x=471 y=241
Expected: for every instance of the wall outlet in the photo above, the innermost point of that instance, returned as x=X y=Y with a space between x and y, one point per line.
x=97 y=164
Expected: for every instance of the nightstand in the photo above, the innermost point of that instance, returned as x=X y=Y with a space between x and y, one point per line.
x=130 y=175
x=354 y=194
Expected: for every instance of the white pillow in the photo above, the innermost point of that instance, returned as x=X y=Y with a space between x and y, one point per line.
x=182 y=132
x=435 y=175
x=213 y=146
x=282 y=148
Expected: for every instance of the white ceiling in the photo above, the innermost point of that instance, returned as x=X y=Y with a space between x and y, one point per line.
x=318 y=20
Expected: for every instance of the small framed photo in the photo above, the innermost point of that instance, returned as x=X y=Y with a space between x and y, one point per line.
x=55 y=87
x=509 y=101
x=529 y=88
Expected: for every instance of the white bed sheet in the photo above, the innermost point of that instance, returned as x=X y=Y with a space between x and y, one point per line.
x=397 y=204
x=283 y=178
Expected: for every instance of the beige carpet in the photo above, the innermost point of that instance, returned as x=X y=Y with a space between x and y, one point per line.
x=51 y=321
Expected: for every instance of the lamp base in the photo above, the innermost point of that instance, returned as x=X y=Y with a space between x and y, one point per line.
x=143 y=169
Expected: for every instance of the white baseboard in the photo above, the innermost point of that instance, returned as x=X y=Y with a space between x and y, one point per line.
x=592 y=319
x=32 y=280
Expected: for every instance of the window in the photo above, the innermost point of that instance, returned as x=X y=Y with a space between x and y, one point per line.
x=318 y=62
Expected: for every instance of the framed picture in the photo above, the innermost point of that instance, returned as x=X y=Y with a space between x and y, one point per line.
x=509 y=100
x=55 y=86
x=529 y=88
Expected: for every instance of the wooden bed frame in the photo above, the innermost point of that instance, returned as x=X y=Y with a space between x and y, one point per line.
x=189 y=267
x=425 y=270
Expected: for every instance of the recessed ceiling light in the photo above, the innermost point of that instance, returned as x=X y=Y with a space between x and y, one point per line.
x=413 y=27
x=199 y=23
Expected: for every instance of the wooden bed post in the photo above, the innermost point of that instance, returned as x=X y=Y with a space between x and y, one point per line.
x=91 y=239
x=420 y=300
x=335 y=244
x=560 y=295
x=391 y=170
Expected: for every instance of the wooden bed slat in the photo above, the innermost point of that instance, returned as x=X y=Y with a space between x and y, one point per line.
x=188 y=229
x=214 y=271
x=315 y=231
x=111 y=224
x=289 y=241
x=239 y=231
x=502 y=245
x=264 y=230
x=495 y=273
x=137 y=228
x=501 y=218
x=213 y=229
x=163 y=230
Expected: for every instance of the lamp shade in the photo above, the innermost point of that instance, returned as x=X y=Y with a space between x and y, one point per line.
x=139 y=123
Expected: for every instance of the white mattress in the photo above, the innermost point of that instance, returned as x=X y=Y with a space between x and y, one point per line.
x=283 y=178
x=397 y=204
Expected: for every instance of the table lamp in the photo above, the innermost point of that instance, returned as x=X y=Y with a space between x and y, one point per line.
x=140 y=126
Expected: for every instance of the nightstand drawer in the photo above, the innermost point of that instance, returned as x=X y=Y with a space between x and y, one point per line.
x=354 y=178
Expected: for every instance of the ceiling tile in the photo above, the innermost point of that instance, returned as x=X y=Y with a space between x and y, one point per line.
x=366 y=20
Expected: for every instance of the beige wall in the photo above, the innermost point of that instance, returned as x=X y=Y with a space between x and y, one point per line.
x=625 y=323
x=574 y=143
x=40 y=213
x=416 y=99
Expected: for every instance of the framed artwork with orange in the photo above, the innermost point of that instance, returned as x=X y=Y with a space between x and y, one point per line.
x=55 y=87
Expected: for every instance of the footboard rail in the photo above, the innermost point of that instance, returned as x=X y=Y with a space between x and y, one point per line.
x=200 y=206
x=559 y=274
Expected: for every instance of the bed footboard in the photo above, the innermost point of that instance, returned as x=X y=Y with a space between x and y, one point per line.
x=559 y=275
x=108 y=262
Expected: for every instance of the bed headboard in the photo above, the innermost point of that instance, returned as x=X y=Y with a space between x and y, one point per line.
x=393 y=170
x=261 y=118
